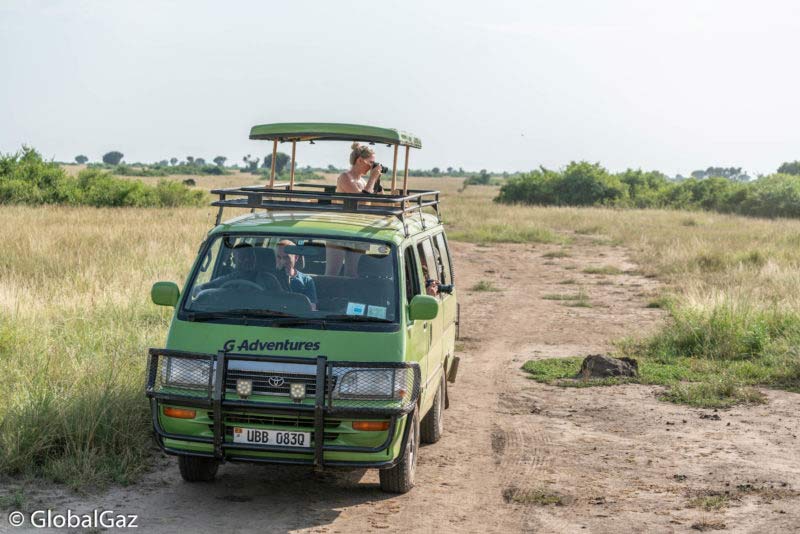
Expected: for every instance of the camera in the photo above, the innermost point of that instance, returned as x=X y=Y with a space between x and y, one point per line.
x=378 y=188
x=384 y=169
x=443 y=288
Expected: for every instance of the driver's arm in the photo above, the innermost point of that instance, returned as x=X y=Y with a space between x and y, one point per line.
x=216 y=282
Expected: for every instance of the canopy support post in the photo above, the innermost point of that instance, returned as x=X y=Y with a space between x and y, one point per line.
x=405 y=173
x=291 y=178
x=394 y=170
x=272 y=171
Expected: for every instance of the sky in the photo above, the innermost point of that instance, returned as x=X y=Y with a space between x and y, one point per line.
x=507 y=86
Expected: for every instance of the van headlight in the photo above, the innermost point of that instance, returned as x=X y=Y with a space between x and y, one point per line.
x=373 y=384
x=185 y=372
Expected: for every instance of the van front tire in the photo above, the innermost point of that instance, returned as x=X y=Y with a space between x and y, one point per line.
x=400 y=478
x=197 y=469
x=432 y=426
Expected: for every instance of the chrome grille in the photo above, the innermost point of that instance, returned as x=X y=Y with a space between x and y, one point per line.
x=275 y=382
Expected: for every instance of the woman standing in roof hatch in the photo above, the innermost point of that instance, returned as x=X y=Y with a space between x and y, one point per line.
x=362 y=159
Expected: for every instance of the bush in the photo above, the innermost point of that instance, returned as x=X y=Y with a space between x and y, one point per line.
x=585 y=184
x=166 y=170
x=27 y=179
x=580 y=184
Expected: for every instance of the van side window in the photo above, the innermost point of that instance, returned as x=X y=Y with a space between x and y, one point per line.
x=412 y=280
x=426 y=258
x=442 y=259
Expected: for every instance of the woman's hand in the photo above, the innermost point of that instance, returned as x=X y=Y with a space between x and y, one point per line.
x=375 y=173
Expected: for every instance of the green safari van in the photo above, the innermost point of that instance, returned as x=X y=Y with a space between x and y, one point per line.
x=315 y=328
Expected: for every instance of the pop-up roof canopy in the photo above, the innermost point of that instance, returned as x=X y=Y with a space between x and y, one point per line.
x=314 y=131
x=295 y=132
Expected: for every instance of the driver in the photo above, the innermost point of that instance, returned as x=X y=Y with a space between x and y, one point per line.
x=294 y=280
x=245 y=270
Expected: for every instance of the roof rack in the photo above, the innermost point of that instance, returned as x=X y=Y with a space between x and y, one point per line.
x=324 y=198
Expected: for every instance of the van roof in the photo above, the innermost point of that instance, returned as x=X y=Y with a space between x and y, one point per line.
x=378 y=227
x=322 y=131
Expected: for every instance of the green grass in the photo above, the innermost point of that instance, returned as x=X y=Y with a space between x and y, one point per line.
x=14 y=500
x=605 y=269
x=662 y=302
x=556 y=254
x=76 y=324
x=484 y=285
x=87 y=423
x=689 y=382
x=505 y=233
x=575 y=300
x=712 y=502
x=536 y=496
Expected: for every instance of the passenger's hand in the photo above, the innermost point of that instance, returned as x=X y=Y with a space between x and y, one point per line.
x=432 y=288
x=375 y=173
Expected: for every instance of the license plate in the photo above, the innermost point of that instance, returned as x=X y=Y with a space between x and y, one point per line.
x=259 y=436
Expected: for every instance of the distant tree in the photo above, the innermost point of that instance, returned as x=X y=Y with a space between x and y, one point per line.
x=81 y=159
x=220 y=160
x=251 y=164
x=199 y=161
x=331 y=168
x=435 y=171
x=113 y=157
x=731 y=173
x=281 y=160
x=449 y=170
x=790 y=167
x=190 y=159
x=163 y=163
x=173 y=161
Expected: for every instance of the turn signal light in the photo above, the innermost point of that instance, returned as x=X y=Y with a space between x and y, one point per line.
x=373 y=426
x=179 y=413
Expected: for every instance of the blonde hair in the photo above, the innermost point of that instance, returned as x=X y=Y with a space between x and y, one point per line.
x=359 y=151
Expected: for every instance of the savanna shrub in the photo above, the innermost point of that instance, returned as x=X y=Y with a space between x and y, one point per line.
x=587 y=184
x=25 y=178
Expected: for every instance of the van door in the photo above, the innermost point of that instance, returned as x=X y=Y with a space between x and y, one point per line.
x=435 y=353
x=448 y=306
x=417 y=338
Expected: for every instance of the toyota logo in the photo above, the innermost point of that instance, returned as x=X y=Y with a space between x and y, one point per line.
x=275 y=381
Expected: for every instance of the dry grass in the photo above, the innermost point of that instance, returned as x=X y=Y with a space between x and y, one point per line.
x=76 y=323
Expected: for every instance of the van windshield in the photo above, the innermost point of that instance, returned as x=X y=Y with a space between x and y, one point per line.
x=294 y=277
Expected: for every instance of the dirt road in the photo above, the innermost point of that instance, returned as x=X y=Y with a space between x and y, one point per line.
x=518 y=456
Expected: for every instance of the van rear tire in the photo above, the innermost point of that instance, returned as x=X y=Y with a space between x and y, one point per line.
x=197 y=469
x=432 y=426
x=400 y=478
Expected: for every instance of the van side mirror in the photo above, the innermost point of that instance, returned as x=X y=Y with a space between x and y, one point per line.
x=165 y=293
x=423 y=307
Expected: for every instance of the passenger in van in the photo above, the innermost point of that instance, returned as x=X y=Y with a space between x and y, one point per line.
x=245 y=268
x=362 y=158
x=292 y=279
x=431 y=284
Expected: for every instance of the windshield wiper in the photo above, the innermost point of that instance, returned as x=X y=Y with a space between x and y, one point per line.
x=357 y=318
x=244 y=312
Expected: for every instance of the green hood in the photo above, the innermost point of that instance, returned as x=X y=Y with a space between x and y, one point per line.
x=347 y=345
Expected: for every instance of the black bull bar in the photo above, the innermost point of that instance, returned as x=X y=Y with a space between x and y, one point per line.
x=169 y=370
